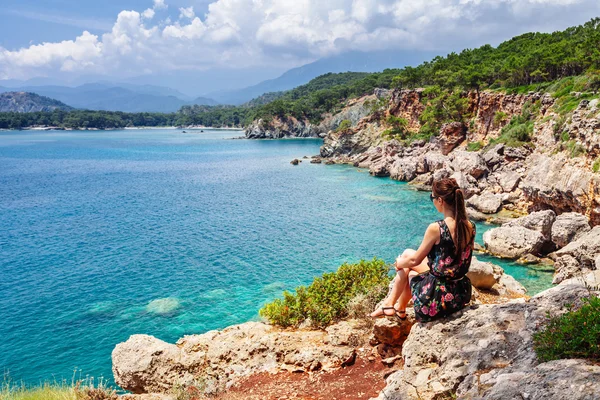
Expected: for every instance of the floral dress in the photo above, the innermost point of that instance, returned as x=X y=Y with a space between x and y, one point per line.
x=445 y=288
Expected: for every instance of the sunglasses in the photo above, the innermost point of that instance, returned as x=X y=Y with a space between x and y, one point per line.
x=432 y=197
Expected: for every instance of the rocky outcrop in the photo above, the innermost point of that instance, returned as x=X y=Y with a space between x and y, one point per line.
x=513 y=242
x=487 y=203
x=569 y=227
x=279 y=128
x=144 y=364
x=551 y=182
x=585 y=250
x=481 y=353
x=490 y=277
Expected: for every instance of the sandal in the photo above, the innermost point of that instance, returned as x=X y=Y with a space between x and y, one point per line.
x=383 y=314
x=397 y=313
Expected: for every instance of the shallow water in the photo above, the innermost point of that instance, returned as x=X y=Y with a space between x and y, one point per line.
x=108 y=234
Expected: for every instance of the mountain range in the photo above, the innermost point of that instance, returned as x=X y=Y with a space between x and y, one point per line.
x=129 y=97
x=29 y=102
x=113 y=97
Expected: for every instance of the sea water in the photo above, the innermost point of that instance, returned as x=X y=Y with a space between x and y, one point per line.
x=108 y=234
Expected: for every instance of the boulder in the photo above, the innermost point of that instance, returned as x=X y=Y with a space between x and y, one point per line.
x=481 y=274
x=507 y=285
x=144 y=364
x=487 y=203
x=540 y=221
x=508 y=180
x=513 y=242
x=551 y=380
x=435 y=161
x=470 y=163
x=422 y=182
x=404 y=169
x=494 y=156
x=566 y=267
x=466 y=182
x=442 y=173
x=392 y=331
x=295 y=161
x=585 y=249
x=470 y=354
x=451 y=135
x=569 y=227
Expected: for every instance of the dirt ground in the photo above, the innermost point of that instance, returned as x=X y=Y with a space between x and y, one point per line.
x=363 y=380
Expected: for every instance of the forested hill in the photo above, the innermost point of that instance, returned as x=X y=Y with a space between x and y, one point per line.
x=25 y=102
x=527 y=62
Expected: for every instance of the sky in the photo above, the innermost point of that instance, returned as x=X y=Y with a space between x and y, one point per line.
x=131 y=38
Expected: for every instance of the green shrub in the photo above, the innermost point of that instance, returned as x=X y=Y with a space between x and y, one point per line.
x=474 y=146
x=344 y=126
x=565 y=137
x=326 y=299
x=499 y=117
x=575 y=334
x=517 y=132
x=596 y=165
x=574 y=149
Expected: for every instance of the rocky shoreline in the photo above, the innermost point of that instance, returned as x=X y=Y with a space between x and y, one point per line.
x=480 y=352
x=547 y=203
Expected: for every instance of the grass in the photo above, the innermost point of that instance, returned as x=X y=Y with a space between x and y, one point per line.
x=474 y=146
x=327 y=299
x=596 y=165
x=80 y=390
x=574 y=149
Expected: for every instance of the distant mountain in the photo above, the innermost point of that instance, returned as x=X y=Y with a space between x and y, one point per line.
x=29 y=102
x=352 y=61
x=126 y=98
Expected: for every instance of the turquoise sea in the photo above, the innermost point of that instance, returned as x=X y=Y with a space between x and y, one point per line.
x=108 y=234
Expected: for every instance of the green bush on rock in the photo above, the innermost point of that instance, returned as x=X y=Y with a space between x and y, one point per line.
x=575 y=334
x=326 y=299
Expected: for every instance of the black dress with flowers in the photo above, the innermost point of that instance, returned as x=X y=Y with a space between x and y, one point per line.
x=445 y=288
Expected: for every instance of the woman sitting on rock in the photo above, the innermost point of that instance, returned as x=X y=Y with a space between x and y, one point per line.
x=437 y=284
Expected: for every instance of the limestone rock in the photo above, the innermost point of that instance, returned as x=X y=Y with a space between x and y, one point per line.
x=569 y=227
x=508 y=180
x=435 y=161
x=470 y=163
x=540 y=221
x=487 y=203
x=391 y=331
x=585 y=249
x=481 y=274
x=144 y=364
x=466 y=182
x=404 y=169
x=494 y=156
x=513 y=242
x=451 y=135
x=463 y=355
x=508 y=286
x=566 y=267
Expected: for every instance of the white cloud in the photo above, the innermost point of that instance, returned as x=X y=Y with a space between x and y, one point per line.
x=186 y=12
x=148 y=14
x=288 y=32
x=160 y=4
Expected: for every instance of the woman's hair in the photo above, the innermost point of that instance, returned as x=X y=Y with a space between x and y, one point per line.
x=450 y=192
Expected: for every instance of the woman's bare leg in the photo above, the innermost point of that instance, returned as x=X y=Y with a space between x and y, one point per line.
x=398 y=287
x=406 y=292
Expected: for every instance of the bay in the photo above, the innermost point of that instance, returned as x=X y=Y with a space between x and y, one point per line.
x=105 y=234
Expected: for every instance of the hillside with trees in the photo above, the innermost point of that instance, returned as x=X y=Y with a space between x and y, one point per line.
x=24 y=102
x=529 y=62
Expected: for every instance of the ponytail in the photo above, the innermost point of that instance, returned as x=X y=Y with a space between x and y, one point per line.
x=463 y=228
x=449 y=190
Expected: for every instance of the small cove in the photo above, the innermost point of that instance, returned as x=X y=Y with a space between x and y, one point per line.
x=108 y=234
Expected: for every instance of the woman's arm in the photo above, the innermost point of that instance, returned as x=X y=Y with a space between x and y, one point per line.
x=432 y=236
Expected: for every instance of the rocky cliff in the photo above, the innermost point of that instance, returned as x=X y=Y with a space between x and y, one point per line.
x=29 y=102
x=552 y=171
